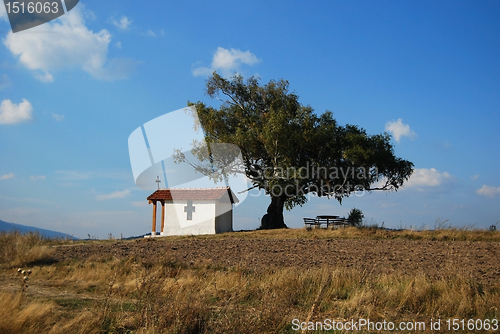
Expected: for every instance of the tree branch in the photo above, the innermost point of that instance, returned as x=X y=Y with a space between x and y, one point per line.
x=232 y=98
x=244 y=191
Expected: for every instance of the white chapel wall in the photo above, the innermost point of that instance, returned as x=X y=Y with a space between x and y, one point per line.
x=203 y=218
x=224 y=217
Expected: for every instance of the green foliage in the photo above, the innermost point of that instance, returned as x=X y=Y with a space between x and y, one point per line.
x=355 y=217
x=289 y=150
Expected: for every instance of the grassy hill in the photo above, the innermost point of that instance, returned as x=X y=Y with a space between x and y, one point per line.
x=248 y=282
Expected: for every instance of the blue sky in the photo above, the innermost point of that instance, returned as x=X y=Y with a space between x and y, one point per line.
x=74 y=89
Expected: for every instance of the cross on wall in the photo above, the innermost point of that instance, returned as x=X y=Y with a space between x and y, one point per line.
x=189 y=209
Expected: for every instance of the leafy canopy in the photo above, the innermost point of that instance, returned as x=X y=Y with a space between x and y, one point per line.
x=286 y=145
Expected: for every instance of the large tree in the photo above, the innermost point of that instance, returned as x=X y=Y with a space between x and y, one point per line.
x=289 y=151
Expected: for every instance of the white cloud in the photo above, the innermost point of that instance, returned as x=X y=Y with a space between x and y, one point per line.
x=488 y=191
x=229 y=59
x=11 y=113
x=116 y=194
x=152 y=34
x=227 y=62
x=423 y=177
x=123 y=24
x=89 y=15
x=4 y=81
x=118 y=45
x=475 y=177
x=35 y=178
x=67 y=43
x=202 y=71
x=44 y=77
x=57 y=117
x=398 y=129
x=7 y=176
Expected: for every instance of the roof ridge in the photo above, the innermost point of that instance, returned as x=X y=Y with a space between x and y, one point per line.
x=193 y=193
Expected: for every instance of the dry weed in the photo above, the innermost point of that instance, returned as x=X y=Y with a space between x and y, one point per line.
x=134 y=295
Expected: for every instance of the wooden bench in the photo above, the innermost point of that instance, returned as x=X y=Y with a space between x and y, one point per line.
x=339 y=222
x=310 y=222
x=327 y=220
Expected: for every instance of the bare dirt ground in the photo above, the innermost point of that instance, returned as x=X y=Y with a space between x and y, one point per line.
x=434 y=258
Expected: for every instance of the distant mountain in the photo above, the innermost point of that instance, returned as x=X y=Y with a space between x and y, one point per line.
x=9 y=227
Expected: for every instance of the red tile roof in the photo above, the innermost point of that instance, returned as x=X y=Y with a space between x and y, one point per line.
x=193 y=194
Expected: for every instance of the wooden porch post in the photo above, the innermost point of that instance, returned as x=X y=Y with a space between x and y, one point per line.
x=153 y=229
x=162 y=215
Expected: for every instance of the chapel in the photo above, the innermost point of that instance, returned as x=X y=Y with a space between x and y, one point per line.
x=193 y=211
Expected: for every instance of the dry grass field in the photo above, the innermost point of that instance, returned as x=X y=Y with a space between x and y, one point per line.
x=248 y=282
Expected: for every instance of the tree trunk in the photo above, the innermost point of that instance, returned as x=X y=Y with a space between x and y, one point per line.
x=274 y=216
